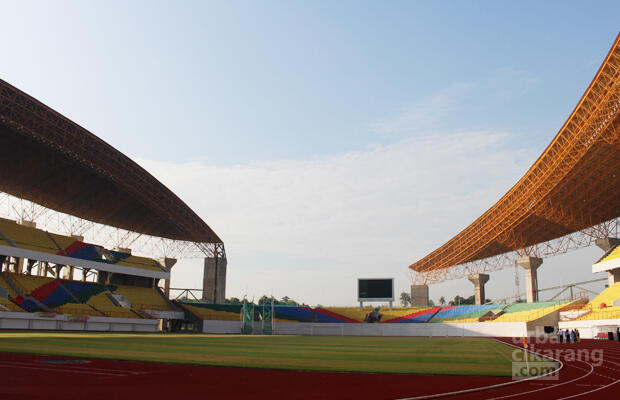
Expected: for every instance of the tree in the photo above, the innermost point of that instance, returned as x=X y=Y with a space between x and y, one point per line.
x=442 y=301
x=232 y=300
x=405 y=299
x=459 y=301
x=431 y=303
x=265 y=299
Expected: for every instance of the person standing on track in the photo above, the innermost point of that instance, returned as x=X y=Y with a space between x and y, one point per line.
x=567 y=335
x=560 y=336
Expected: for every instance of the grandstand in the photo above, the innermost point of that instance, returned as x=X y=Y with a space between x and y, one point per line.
x=567 y=193
x=53 y=278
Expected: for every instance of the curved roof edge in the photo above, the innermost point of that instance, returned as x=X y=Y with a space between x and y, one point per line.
x=71 y=170
x=572 y=185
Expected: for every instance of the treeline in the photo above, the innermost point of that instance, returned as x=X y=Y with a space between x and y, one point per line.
x=405 y=300
x=284 y=301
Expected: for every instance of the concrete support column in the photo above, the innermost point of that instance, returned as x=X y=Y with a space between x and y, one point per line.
x=530 y=265
x=478 y=280
x=606 y=244
x=613 y=276
x=419 y=295
x=214 y=280
x=19 y=267
x=167 y=263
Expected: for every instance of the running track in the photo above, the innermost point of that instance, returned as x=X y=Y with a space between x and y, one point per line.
x=34 y=377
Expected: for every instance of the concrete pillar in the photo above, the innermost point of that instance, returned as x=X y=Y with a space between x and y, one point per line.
x=19 y=267
x=29 y=224
x=530 y=265
x=214 y=280
x=67 y=272
x=419 y=295
x=167 y=263
x=478 y=280
x=613 y=277
x=606 y=244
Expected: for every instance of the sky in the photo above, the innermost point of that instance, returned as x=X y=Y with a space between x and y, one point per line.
x=323 y=141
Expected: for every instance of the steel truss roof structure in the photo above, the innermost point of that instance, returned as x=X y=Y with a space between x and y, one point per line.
x=573 y=186
x=51 y=161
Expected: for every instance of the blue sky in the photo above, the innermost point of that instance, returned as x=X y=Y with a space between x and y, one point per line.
x=322 y=140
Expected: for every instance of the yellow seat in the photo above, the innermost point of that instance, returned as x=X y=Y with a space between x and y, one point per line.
x=143 y=298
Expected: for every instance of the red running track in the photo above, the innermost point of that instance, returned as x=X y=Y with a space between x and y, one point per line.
x=34 y=377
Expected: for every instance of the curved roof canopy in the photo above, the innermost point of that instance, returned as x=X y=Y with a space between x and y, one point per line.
x=51 y=161
x=572 y=186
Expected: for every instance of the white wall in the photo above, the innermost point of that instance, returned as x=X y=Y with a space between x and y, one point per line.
x=26 y=321
x=213 y=326
x=488 y=329
x=589 y=329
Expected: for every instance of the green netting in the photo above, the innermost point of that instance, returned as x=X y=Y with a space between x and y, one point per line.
x=248 y=318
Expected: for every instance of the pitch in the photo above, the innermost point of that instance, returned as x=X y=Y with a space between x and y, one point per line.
x=450 y=356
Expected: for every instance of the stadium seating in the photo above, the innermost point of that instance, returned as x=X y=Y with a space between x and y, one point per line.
x=413 y=315
x=607 y=296
x=78 y=309
x=340 y=314
x=464 y=313
x=140 y=262
x=524 y=312
x=601 y=313
x=66 y=297
x=611 y=255
x=293 y=314
x=102 y=303
x=38 y=240
x=25 y=237
x=6 y=286
x=221 y=312
x=8 y=305
x=142 y=298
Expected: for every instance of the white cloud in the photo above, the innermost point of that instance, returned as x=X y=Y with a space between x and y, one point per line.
x=426 y=114
x=309 y=228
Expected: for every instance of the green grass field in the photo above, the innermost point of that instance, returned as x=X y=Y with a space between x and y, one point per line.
x=454 y=356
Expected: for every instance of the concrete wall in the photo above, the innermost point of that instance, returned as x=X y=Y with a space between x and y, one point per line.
x=33 y=321
x=589 y=329
x=482 y=329
x=550 y=319
x=214 y=280
x=477 y=329
x=212 y=326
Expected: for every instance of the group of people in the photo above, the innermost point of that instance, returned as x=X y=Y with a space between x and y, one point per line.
x=568 y=336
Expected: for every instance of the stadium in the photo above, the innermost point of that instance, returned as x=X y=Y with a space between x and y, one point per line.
x=89 y=316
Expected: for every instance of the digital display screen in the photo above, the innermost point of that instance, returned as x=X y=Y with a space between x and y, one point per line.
x=375 y=289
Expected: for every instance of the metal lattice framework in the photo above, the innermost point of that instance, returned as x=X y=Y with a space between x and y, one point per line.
x=49 y=160
x=569 y=195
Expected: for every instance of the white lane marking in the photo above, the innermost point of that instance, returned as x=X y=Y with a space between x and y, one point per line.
x=63 y=370
x=478 y=389
x=548 y=387
x=68 y=368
